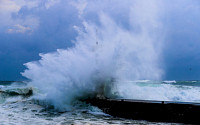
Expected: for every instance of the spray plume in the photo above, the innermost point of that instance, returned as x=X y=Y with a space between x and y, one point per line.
x=102 y=53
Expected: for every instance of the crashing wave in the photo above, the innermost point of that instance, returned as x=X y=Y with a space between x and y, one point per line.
x=167 y=81
x=17 y=91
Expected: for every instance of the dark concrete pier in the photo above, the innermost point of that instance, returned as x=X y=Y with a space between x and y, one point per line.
x=155 y=111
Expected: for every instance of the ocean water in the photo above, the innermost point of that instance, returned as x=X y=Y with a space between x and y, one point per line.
x=19 y=107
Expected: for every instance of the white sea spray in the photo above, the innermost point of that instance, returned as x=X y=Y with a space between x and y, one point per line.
x=101 y=53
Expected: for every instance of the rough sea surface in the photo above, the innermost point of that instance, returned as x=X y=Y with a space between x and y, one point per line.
x=17 y=107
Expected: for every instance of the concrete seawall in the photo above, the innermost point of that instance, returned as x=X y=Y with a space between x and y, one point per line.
x=155 y=111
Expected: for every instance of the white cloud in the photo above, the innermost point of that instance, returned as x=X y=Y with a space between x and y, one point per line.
x=8 y=6
x=19 y=24
x=15 y=6
x=80 y=6
x=19 y=29
x=50 y=3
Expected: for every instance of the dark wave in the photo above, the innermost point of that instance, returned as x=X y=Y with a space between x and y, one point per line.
x=17 y=91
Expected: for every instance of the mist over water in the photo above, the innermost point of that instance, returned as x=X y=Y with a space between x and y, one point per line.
x=104 y=53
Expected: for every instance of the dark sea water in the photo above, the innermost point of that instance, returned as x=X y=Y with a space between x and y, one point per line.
x=19 y=107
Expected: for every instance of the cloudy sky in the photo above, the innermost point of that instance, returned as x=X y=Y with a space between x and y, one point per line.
x=30 y=27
